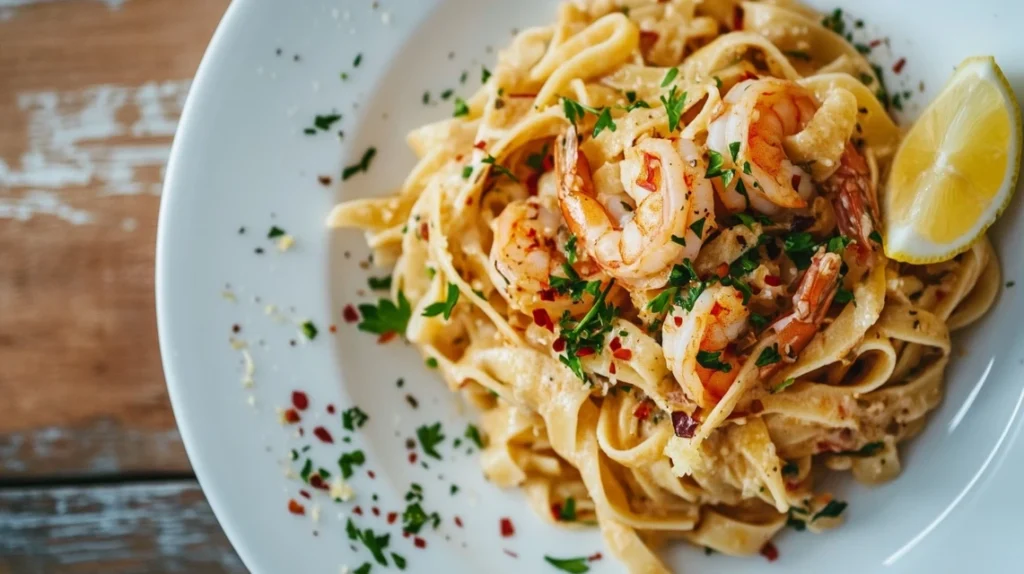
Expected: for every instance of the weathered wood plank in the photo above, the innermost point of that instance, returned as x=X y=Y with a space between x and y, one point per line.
x=142 y=528
x=89 y=101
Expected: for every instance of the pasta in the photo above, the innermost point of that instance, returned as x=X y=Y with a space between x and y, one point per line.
x=647 y=252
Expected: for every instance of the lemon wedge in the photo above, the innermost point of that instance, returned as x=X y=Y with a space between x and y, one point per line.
x=956 y=170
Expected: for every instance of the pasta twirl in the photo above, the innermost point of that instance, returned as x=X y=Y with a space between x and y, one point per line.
x=672 y=305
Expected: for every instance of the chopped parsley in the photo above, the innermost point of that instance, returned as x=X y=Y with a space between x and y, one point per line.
x=800 y=247
x=399 y=561
x=490 y=160
x=716 y=167
x=485 y=75
x=461 y=108
x=674 y=107
x=364 y=569
x=385 y=317
x=358 y=60
x=275 y=231
x=790 y=469
x=843 y=296
x=415 y=517
x=309 y=330
x=759 y=321
x=669 y=77
x=472 y=433
x=875 y=236
x=586 y=336
x=431 y=363
x=362 y=166
x=768 y=356
x=783 y=385
x=467 y=172
x=570 y=249
x=444 y=307
x=698 y=227
x=679 y=240
x=572 y=285
x=536 y=160
x=575 y=111
x=324 y=122
x=604 y=121
x=447 y=94
x=307 y=470
x=712 y=360
x=379 y=283
x=833 y=509
x=353 y=418
x=568 y=511
x=571 y=565
x=430 y=437
x=348 y=460
x=838 y=244
x=734 y=150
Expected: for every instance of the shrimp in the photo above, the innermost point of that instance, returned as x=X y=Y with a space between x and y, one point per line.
x=698 y=343
x=673 y=202
x=811 y=302
x=526 y=252
x=854 y=200
x=748 y=135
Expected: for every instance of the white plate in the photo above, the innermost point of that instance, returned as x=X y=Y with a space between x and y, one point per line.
x=241 y=159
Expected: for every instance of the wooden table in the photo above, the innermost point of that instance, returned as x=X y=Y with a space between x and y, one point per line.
x=93 y=476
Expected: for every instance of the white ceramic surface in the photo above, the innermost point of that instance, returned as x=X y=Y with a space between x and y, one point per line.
x=241 y=159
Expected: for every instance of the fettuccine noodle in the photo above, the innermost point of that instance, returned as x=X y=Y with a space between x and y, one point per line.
x=659 y=220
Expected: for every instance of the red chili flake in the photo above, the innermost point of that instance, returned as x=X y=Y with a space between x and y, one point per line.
x=506 y=528
x=295 y=508
x=358 y=511
x=737 y=18
x=684 y=425
x=458 y=521
x=300 y=400
x=542 y=319
x=756 y=406
x=898 y=66
x=558 y=345
x=317 y=482
x=643 y=410
x=386 y=337
x=940 y=295
x=549 y=162
x=770 y=552
x=291 y=416
x=419 y=542
x=350 y=314
x=371 y=474
x=594 y=557
x=795 y=180
x=305 y=494
x=647 y=40
x=333 y=328
x=510 y=553
x=424 y=231
x=585 y=352
x=375 y=511
x=556 y=511
x=392 y=517
x=772 y=280
x=615 y=344
x=469 y=201
x=875 y=43
x=623 y=354
x=531 y=183
x=678 y=321
x=611 y=369
x=547 y=294
x=302 y=432
x=412 y=458
x=324 y=179
x=480 y=144
x=323 y=434
x=330 y=409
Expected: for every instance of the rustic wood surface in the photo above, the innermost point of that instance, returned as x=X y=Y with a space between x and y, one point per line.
x=90 y=94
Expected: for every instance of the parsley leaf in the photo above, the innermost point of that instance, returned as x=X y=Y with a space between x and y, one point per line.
x=364 y=569
x=275 y=231
x=870 y=449
x=568 y=510
x=575 y=111
x=790 y=469
x=385 y=317
x=758 y=321
x=309 y=330
x=572 y=285
x=379 y=283
x=604 y=121
x=500 y=168
x=570 y=249
x=485 y=75
x=353 y=418
x=674 y=108
x=472 y=433
x=875 y=236
x=783 y=385
x=768 y=356
x=734 y=150
x=585 y=336
x=712 y=360
x=467 y=172
x=833 y=509
x=800 y=247
x=679 y=240
x=349 y=460
x=430 y=437
x=324 y=123
x=399 y=560
x=838 y=244
x=536 y=160
x=669 y=77
x=571 y=565
x=660 y=303
x=698 y=227
x=444 y=307
x=461 y=108
x=362 y=166
x=843 y=296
